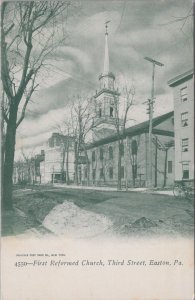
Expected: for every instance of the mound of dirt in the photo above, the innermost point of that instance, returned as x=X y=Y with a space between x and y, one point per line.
x=70 y=220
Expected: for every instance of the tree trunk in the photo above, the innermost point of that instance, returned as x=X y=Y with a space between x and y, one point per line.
x=88 y=172
x=87 y=164
x=165 y=171
x=126 y=165
x=156 y=165
x=10 y=140
x=67 y=165
x=76 y=163
x=2 y=144
x=133 y=172
x=119 y=167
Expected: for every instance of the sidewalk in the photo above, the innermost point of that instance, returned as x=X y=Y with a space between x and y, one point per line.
x=113 y=189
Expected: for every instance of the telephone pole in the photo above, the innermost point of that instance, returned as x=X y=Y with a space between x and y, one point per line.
x=151 y=105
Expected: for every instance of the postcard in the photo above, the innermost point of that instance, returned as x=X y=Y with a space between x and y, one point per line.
x=97 y=150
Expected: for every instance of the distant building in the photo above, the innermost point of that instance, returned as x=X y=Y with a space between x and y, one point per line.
x=58 y=165
x=27 y=170
x=183 y=93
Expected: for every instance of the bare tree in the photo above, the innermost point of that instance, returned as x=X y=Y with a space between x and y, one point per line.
x=19 y=172
x=66 y=130
x=120 y=123
x=183 y=22
x=29 y=35
x=133 y=150
x=29 y=162
x=82 y=124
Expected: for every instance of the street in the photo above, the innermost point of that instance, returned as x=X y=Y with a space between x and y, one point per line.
x=81 y=213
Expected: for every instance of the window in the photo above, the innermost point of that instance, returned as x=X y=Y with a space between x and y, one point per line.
x=110 y=152
x=111 y=111
x=170 y=167
x=122 y=172
x=101 y=173
x=134 y=170
x=85 y=172
x=185 y=170
x=100 y=110
x=184 y=145
x=101 y=154
x=183 y=94
x=94 y=174
x=93 y=156
x=122 y=149
x=134 y=147
x=111 y=172
x=184 y=119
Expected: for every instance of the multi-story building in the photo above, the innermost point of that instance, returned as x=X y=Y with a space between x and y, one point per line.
x=183 y=88
x=58 y=165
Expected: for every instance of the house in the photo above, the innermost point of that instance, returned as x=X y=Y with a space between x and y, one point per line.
x=183 y=93
x=58 y=164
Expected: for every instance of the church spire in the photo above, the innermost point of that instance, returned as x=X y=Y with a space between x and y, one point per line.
x=106 y=54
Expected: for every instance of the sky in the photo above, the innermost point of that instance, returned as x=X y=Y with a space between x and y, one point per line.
x=137 y=29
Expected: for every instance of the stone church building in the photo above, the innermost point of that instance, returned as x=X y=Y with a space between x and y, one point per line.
x=103 y=151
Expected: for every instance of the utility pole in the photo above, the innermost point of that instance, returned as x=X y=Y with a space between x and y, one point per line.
x=53 y=175
x=126 y=163
x=151 y=105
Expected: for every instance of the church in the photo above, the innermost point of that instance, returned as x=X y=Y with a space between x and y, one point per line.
x=103 y=150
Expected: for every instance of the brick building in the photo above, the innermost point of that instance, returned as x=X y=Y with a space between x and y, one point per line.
x=103 y=156
x=183 y=93
x=58 y=165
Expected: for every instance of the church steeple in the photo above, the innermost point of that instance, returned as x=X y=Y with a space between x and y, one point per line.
x=106 y=54
x=106 y=78
x=106 y=99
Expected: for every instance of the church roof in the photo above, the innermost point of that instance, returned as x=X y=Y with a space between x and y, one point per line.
x=181 y=78
x=135 y=130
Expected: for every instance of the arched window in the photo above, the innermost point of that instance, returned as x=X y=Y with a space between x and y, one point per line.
x=121 y=149
x=100 y=111
x=94 y=174
x=111 y=172
x=93 y=156
x=110 y=150
x=134 y=147
x=101 y=154
x=111 y=111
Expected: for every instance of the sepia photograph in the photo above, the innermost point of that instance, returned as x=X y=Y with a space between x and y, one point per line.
x=97 y=149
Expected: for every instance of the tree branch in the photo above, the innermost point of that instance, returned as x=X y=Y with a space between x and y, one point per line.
x=26 y=102
x=4 y=115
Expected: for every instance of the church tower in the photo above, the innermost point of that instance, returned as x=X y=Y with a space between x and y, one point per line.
x=106 y=99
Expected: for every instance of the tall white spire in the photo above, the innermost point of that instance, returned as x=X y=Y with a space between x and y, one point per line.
x=106 y=54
